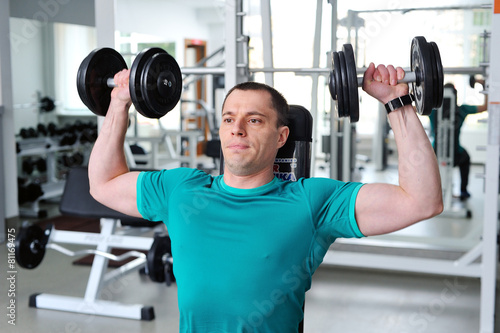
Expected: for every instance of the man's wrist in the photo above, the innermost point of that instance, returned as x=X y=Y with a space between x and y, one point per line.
x=120 y=105
x=398 y=103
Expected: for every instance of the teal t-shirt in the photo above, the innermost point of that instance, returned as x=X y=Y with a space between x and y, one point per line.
x=244 y=258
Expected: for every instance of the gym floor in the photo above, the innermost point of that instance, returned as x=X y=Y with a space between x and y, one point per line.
x=341 y=299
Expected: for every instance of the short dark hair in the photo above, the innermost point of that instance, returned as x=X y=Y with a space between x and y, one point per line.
x=278 y=102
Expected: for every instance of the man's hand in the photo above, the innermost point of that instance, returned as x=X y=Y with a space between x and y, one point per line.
x=381 y=82
x=120 y=95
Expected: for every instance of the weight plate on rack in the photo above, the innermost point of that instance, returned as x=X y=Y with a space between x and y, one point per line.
x=352 y=83
x=91 y=79
x=161 y=85
x=421 y=62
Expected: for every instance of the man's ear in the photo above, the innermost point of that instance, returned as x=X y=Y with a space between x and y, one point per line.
x=284 y=131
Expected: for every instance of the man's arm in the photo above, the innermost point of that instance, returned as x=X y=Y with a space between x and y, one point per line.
x=111 y=182
x=384 y=208
x=483 y=107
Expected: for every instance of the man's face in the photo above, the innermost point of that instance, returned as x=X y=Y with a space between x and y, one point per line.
x=249 y=134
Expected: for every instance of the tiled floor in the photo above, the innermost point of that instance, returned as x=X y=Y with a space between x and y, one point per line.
x=341 y=299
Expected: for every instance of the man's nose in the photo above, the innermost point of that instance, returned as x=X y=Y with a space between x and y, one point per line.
x=238 y=128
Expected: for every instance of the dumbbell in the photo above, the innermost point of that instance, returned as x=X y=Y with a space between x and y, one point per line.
x=47 y=104
x=29 y=165
x=30 y=244
x=473 y=80
x=27 y=133
x=42 y=129
x=426 y=79
x=155 y=81
x=159 y=265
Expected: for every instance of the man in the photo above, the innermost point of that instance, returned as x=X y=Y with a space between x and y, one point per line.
x=246 y=243
x=461 y=157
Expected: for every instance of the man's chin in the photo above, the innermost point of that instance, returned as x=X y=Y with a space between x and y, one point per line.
x=238 y=167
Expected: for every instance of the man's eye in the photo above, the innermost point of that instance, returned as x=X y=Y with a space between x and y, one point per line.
x=255 y=121
x=227 y=120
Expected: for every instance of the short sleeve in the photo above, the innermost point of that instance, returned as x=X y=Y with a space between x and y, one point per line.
x=333 y=207
x=154 y=189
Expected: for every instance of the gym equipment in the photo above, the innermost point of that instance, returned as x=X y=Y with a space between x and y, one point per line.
x=29 y=193
x=472 y=81
x=155 y=81
x=444 y=145
x=45 y=104
x=426 y=79
x=30 y=246
x=27 y=133
x=293 y=160
x=159 y=260
x=30 y=164
x=32 y=242
x=76 y=201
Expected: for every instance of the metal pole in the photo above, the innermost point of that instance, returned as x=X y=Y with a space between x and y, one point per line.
x=236 y=51
x=334 y=170
x=230 y=49
x=315 y=79
x=9 y=206
x=316 y=70
x=490 y=219
x=3 y=214
x=406 y=10
x=267 y=39
x=104 y=12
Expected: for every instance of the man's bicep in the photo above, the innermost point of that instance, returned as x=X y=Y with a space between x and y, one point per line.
x=382 y=208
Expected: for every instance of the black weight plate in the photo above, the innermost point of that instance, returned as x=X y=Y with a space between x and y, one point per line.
x=439 y=77
x=30 y=246
x=434 y=75
x=80 y=80
x=345 y=88
x=156 y=267
x=161 y=85
x=339 y=97
x=332 y=85
x=352 y=82
x=91 y=79
x=472 y=81
x=136 y=71
x=421 y=63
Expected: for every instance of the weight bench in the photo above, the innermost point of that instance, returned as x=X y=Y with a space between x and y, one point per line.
x=77 y=201
x=293 y=160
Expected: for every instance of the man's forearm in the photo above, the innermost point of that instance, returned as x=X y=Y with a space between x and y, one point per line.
x=417 y=165
x=107 y=159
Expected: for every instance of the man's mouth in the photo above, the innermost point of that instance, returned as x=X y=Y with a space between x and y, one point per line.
x=238 y=146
